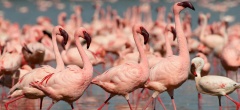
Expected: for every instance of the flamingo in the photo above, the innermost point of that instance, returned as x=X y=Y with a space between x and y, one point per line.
x=212 y=84
x=23 y=89
x=171 y=72
x=169 y=52
x=76 y=80
x=132 y=74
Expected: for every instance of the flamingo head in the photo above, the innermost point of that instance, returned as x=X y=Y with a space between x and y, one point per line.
x=197 y=64
x=26 y=49
x=179 y=6
x=65 y=36
x=141 y=30
x=171 y=28
x=81 y=32
x=87 y=38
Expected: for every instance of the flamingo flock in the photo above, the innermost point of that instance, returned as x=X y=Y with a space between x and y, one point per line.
x=135 y=53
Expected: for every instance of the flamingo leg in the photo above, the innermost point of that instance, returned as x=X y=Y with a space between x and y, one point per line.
x=138 y=98
x=50 y=106
x=129 y=105
x=173 y=102
x=219 y=102
x=148 y=102
x=236 y=103
x=199 y=101
x=154 y=95
x=72 y=106
x=41 y=100
x=100 y=108
x=127 y=98
x=160 y=101
x=13 y=100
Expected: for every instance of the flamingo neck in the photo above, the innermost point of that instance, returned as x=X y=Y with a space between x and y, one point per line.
x=168 y=45
x=87 y=65
x=59 y=61
x=143 y=57
x=197 y=79
x=202 y=32
x=182 y=42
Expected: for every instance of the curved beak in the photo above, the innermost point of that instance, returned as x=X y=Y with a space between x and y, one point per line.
x=193 y=69
x=145 y=34
x=47 y=33
x=87 y=38
x=65 y=36
x=174 y=33
x=186 y=4
x=27 y=49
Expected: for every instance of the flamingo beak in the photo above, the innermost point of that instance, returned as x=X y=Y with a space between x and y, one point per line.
x=174 y=33
x=193 y=69
x=47 y=33
x=145 y=34
x=87 y=38
x=25 y=48
x=186 y=4
x=65 y=36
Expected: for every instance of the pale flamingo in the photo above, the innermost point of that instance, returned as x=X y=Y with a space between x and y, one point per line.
x=76 y=80
x=211 y=84
x=34 y=53
x=23 y=89
x=132 y=74
x=172 y=71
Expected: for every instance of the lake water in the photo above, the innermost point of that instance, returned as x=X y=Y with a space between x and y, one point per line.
x=185 y=96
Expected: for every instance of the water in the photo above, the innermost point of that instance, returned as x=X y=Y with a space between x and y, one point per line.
x=185 y=96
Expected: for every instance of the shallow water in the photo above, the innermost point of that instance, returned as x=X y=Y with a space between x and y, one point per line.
x=185 y=96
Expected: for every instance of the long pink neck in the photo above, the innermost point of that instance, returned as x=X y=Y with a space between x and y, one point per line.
x=87 y=65
x=143 y=57
x=59 y=61
x=182 y=42
x=168 y=45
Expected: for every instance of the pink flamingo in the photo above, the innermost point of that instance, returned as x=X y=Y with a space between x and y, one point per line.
x=23 y=89
x=169 y=52
x=213 y=85
x=76 y=80
x=132 y=74
x=171 y=72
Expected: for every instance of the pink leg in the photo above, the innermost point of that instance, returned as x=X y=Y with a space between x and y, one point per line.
x=95 y=71
x=17 y=98
x=100 y=108
x=103 y=67
x=129 y=105
x=133 y=94
x=149 y=101
x=236 y=103
x=111 y=59
x=173 y=102
x=50 y=106
x=199 y=101
x=160 y=101
x=138 y=98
